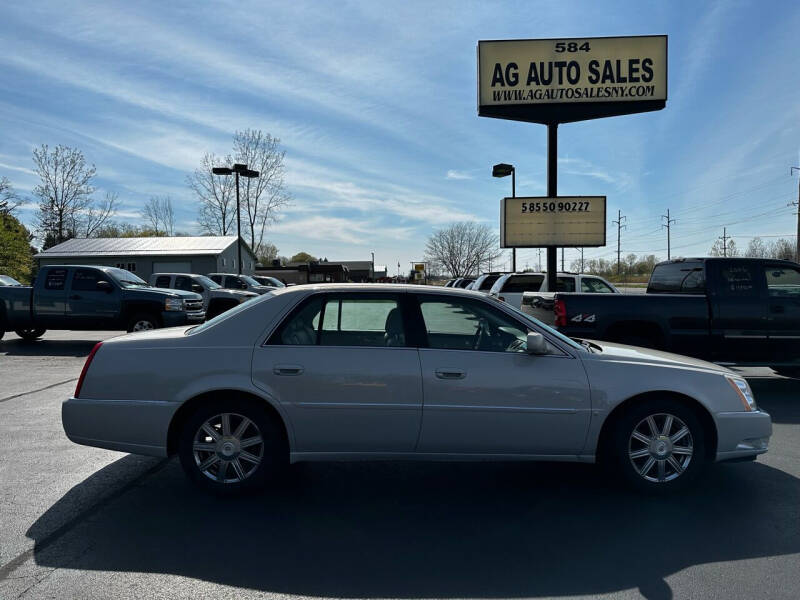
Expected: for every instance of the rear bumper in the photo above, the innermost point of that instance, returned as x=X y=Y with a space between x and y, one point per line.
x=742 y=434
x=135 y=426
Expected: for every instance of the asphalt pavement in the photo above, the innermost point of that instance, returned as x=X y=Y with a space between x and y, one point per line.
x=81 y=522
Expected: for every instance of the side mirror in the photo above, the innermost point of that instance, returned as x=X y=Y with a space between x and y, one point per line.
x=536 y=343
x=104 y=286
x=197 y=288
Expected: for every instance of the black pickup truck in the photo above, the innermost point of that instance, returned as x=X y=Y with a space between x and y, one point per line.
x=743 y=311
x=93 y=298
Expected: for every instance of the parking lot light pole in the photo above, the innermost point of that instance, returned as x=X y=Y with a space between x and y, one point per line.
x=238 y=169
x=504 y=170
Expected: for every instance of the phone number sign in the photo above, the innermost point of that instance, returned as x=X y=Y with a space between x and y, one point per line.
x=571 y=79
x=536 y=222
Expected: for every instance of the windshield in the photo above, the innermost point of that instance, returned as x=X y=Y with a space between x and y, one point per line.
x=572 y=343
x=6 y=280
x=127 y=279
x=209 y=283
x=249 y=279
x=273 y=281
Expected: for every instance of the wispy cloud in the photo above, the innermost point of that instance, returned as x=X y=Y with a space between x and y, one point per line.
x=453 y=174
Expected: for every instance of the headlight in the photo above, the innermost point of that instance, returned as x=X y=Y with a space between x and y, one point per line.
x=173 y=304
x=744 y=392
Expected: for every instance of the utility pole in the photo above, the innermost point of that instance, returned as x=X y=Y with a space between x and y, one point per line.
x=667 y=225
x=562 y=260
x=540 y=259
x=620 y=226
x=725 y=237
x=797 y=204
x=581 y=249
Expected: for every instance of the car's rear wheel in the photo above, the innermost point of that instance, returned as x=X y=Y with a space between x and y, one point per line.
x=659 y=446
x=232 y=446
x=30 y=334
x=143 y=322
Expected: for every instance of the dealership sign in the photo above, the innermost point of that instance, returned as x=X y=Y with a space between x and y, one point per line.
x=576 y=221
x=571 y=79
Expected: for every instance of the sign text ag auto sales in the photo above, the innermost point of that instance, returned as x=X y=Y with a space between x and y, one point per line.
x=572 y=71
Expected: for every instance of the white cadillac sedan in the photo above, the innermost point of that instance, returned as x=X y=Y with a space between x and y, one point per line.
x=341 y=372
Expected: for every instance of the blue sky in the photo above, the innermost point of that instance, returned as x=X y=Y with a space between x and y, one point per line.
x=375 y=105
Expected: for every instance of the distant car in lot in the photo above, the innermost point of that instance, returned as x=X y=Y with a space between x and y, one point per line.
x=83 y=297
x=463 y=282
x=269 y=281
x=232 y=281
x=449 y=283
x=337 y=371
x=216 y=299
x=511 y=286
x=5 y=280
x=485 y=282
x=743 y=311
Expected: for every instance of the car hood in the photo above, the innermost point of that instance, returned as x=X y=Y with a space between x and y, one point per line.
x=262 y=289
x=635 y=354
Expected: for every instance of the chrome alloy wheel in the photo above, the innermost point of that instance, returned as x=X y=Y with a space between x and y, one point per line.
x=660 y=447
x=228 y=448
x=143 y=326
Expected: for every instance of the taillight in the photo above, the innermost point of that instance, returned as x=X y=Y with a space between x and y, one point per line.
x=560 y=310
x=86 y=368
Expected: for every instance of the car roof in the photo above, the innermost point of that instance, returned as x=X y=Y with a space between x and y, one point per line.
x=379 y=287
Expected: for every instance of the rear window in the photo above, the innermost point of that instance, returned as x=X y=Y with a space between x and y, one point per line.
x=678 y=278
x=162 y=281
x=488 y=282
x=523 y=283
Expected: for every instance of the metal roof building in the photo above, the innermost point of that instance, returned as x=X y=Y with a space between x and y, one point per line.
x=147 y=255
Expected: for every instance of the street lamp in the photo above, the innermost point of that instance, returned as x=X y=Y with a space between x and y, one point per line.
x=504 y=170
x=238 y=169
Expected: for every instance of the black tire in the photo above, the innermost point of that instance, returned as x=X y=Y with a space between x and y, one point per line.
x=29 y=334
x=792 y=372
x=137 y=322
x=624 y=448
x=272 y=452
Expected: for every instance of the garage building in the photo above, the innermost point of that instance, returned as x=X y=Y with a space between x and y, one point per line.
x=147 y=255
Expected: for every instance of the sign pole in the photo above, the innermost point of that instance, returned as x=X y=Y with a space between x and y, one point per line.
x=552 y=192
x=514 y=195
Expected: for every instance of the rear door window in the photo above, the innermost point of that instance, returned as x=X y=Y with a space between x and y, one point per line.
x=55 y=279
x=362 y=322
x=565 y=284
x=162 y=281
x=739 y=279
x=183 y=283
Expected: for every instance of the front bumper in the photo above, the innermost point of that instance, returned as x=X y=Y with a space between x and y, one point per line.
x=742 y=434
x=177 y=318
x=135 y=426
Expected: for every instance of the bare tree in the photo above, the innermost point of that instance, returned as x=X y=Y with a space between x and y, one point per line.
x=159 y=214
x=782 y=249
x=269 y=252
x=463 y=248
x=217 y=196
x=98 y=214
x=264 y=196
x=64 y=191
x=9 y=200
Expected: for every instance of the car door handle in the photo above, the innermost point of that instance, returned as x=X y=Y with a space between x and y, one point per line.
x=287 y=369
x=776 y=308
x=75 y=297
x=450 y=374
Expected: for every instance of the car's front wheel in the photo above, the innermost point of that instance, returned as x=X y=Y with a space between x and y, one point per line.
x=659 y=446
x=232 y=446
x=143 y=322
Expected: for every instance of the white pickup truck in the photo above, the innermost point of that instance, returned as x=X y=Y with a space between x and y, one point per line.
x=511 y=286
